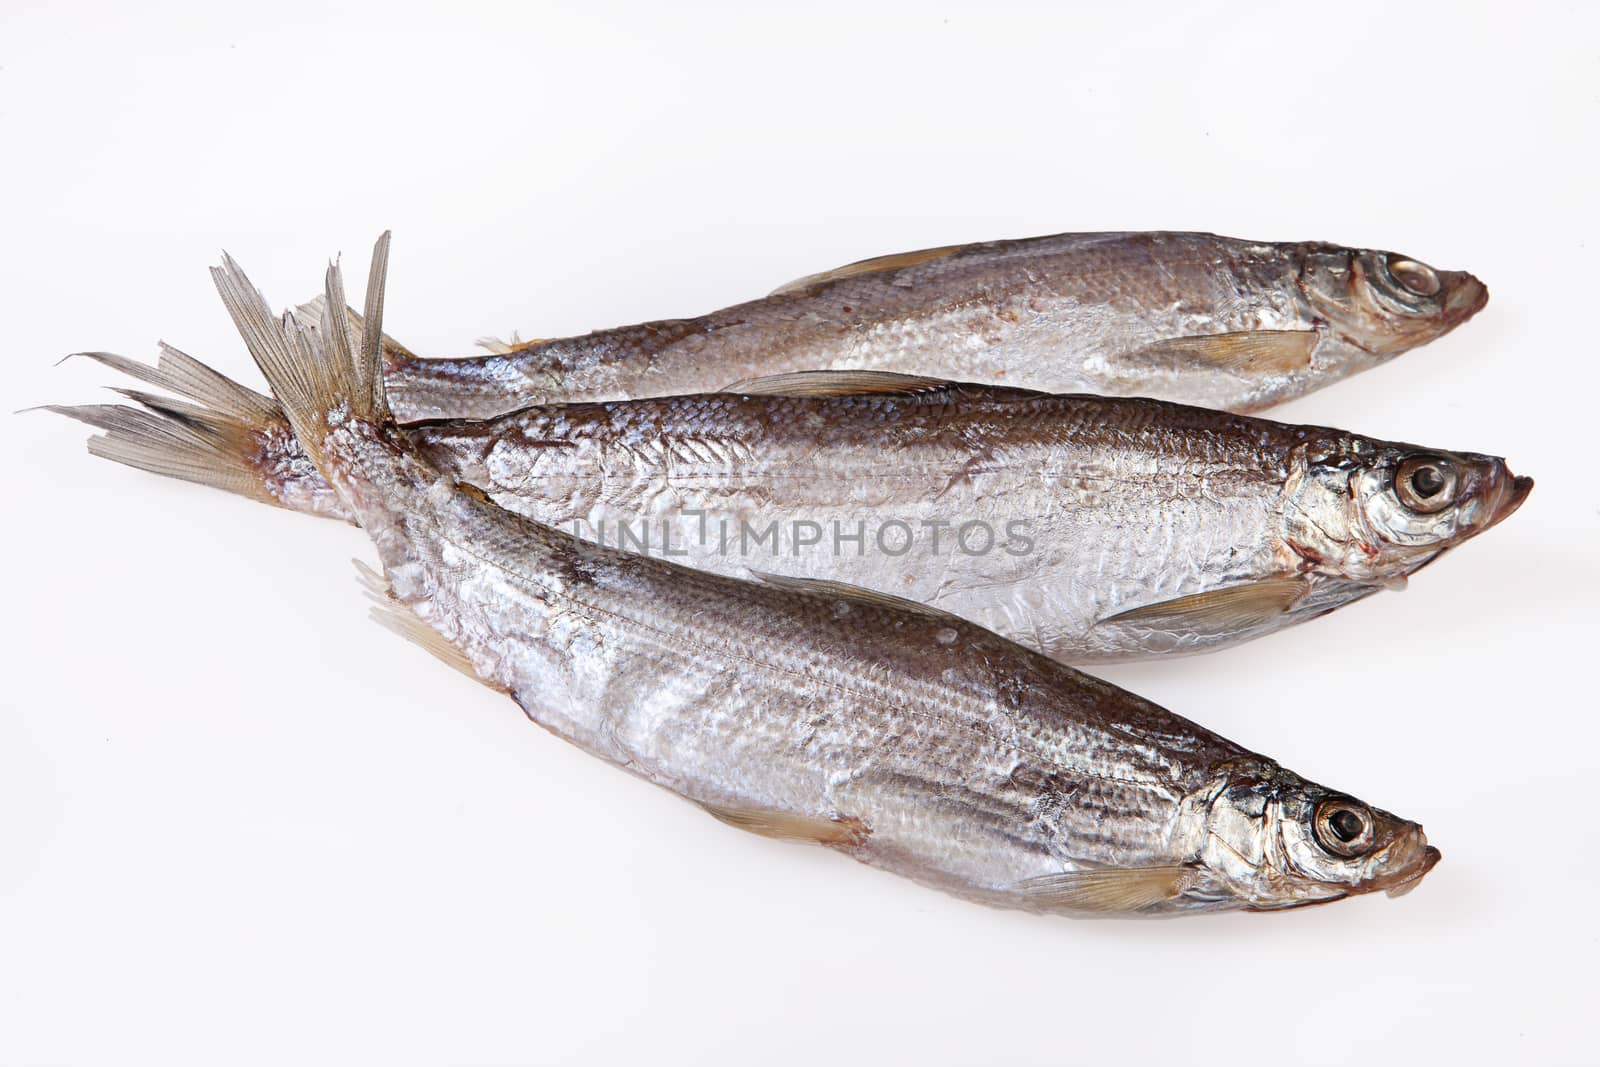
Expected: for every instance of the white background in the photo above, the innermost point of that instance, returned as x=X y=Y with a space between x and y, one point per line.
x=239 y=823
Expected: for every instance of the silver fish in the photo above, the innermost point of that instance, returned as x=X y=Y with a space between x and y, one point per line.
x=1089 y=528
x=1188 y=317
x=902 y=736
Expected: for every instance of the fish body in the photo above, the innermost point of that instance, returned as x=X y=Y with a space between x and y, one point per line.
x=1088 y=528
x=1084 y=527
x=902 y=736
x=1188 y=317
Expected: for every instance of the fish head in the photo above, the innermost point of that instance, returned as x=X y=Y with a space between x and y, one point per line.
x=1277 y=841
x=1384 y=303
x=1375 y=512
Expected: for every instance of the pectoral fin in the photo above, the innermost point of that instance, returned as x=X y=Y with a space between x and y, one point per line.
x=1218 y=612
x=843 y=832
x=1244 y=353
x=879 y=265
x=1108 y=889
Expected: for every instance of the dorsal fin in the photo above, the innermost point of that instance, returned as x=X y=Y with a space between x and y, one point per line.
x=877 y=265
x=497 y=347
x=838 y=383
x=854 y=594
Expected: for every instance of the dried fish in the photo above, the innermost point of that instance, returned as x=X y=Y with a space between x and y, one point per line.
x=906 y=738
x=1088 y=528
x=1188 y=317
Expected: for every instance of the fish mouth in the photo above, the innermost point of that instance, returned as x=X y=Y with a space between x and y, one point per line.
x=1509 y=493
x=1491 y=493
x=1521 y=486
x=1430 y=859
x=1465 y=296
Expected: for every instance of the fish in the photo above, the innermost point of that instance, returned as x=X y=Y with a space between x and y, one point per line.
x=1092 y=529
x=903 y=737
x=1188 y=317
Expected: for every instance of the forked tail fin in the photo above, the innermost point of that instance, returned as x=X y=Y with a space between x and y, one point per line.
x=396 y=356
x=161 y=440
x=320 y=377
x=221 y=434
x=330 y=383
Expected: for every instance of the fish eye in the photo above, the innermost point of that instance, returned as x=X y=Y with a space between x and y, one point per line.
x=1343 y=827
x=1425 y=484
x=1419 y=278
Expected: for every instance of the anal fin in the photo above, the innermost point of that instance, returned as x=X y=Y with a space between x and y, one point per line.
x=841 y=832
x=395 y=617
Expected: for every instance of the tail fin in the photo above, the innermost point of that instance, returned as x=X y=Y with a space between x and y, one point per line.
x=180 y=373
x=319 y=377
x=395 y=354
x=212 y=443
x=231 y=438
x=174 y=444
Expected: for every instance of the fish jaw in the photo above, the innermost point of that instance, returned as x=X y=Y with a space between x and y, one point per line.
x=1465 y=296
x=1401 y=860
x=1430 y=859
x=1396 y=869
x=1491 y=494
x=1513 y=492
